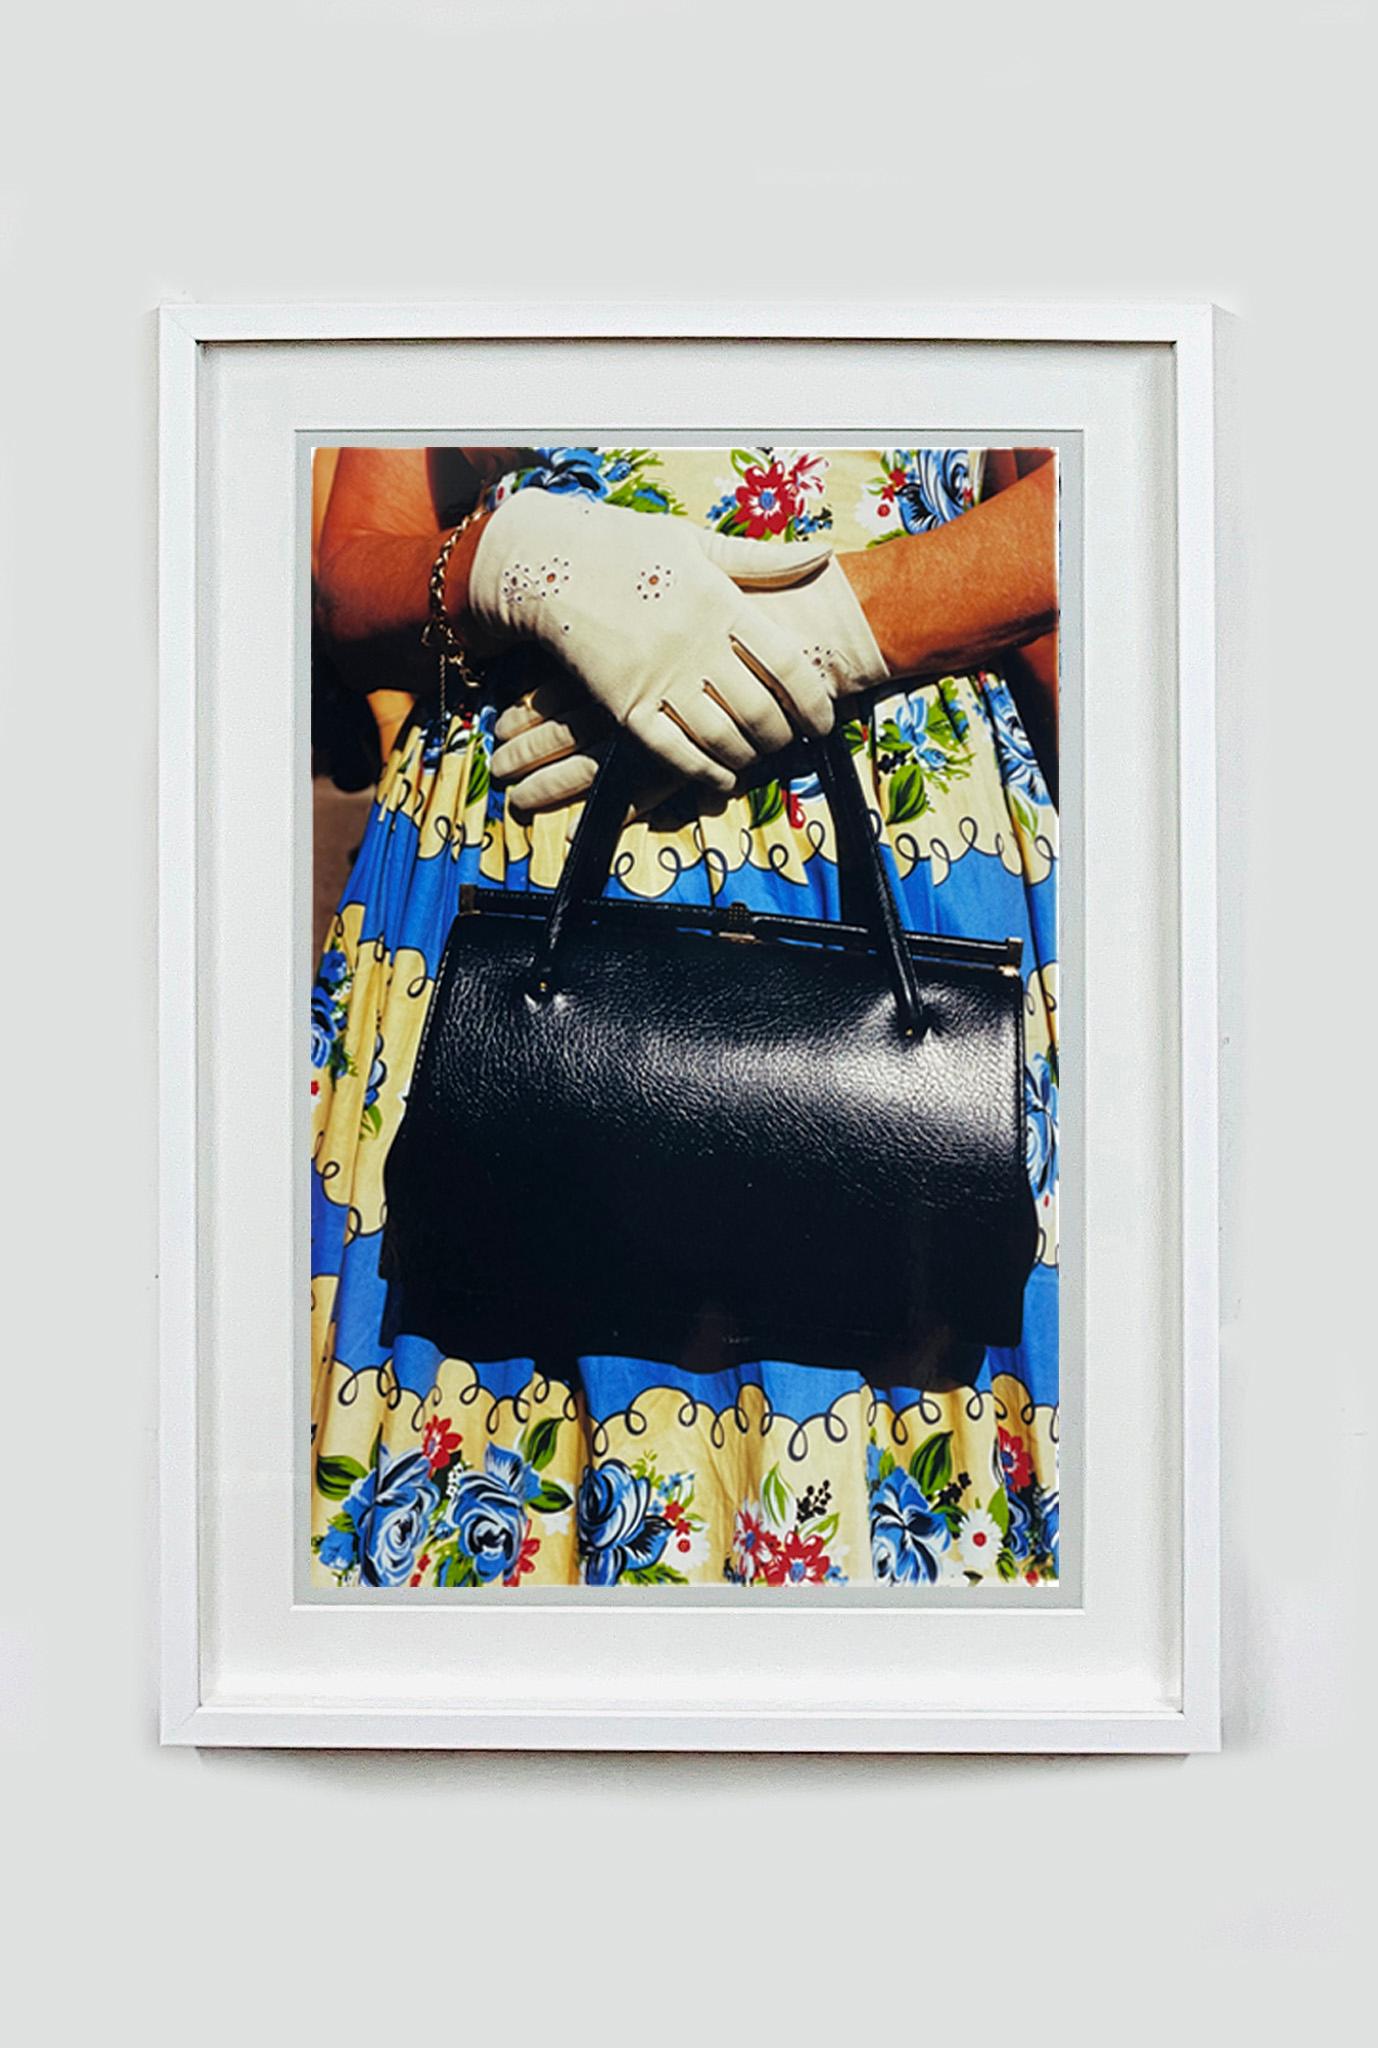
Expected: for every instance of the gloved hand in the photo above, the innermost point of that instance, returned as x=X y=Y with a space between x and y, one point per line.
x=548 y=740
x=655 y=617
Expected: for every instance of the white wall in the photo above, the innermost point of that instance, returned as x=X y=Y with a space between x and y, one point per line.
x=409 y=148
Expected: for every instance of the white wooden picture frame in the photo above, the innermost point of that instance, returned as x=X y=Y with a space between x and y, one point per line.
x=1126 y=1657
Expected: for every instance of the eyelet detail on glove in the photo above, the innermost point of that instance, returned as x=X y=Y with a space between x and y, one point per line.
x=653 y=583
x=521 y=584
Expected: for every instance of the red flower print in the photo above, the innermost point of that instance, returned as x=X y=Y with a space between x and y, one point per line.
x=795 y=810
x=752 y=1544
x=526 y=1562
x=806 y=474
x=1014 y=1460
x=767 y=500
x=798 y=1561
x=440 y=1442
x=681 y=1528
x=421 y=1564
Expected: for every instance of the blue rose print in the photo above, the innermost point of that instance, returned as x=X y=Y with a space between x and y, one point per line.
x=327 y=1006
x=617 y=1530
x=442 y=737
x=1018 y=763
x=1052 y=1528
x=1035 y=1519
x=595 y=473
x=1019 y=1536
x=488 y=1512
x=521 y=1479
x=322 y=1030
x=936 y=488
x=1040 y=1111
x=907 y=1535
x=489 y=1524
x=340 y=1547
x=570 y=469
x=388 y=1512
x=911 y=715
x=377 y=1073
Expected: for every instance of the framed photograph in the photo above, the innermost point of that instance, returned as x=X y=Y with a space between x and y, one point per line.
x=689 y=1027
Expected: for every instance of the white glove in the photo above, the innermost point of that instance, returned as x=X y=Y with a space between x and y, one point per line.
x=546 y=753
x=648 y=613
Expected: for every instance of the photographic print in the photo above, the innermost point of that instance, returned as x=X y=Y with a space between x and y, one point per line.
x=683 y=1018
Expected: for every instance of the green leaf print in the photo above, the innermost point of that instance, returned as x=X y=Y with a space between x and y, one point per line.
x=1023 y=816
x=908 y=798
x=766 y=803
x=538 y=1443
x=775 y=1498
x=998 y=1508
x=551 y=1500
x=339 y=1063
x=453 y=1568
x=335 y=1477
x=654 y=1575
x=931 y=1465
x=648 y=498
x=476 y=788
x=371 y=1122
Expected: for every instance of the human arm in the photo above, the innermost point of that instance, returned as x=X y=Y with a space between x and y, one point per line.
x=650 y=619
x=919 y=606
x=947 y=601
x=378 y=540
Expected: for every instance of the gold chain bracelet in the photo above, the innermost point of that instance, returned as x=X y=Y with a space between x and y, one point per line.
x=438 y=631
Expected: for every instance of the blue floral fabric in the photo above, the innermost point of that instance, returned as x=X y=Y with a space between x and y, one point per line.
x=463 y=1474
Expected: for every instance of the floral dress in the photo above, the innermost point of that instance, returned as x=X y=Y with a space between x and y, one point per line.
x=428 y=1471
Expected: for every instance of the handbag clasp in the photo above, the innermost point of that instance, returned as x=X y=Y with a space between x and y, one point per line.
x=737 y=925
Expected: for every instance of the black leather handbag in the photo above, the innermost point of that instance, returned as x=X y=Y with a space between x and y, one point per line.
x=701 y=1135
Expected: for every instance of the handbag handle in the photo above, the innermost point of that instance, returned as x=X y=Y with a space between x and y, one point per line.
x=862 y=878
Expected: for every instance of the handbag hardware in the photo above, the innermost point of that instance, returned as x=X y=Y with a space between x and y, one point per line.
x=867 y=898
x=738 y=921
x=736 y=926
